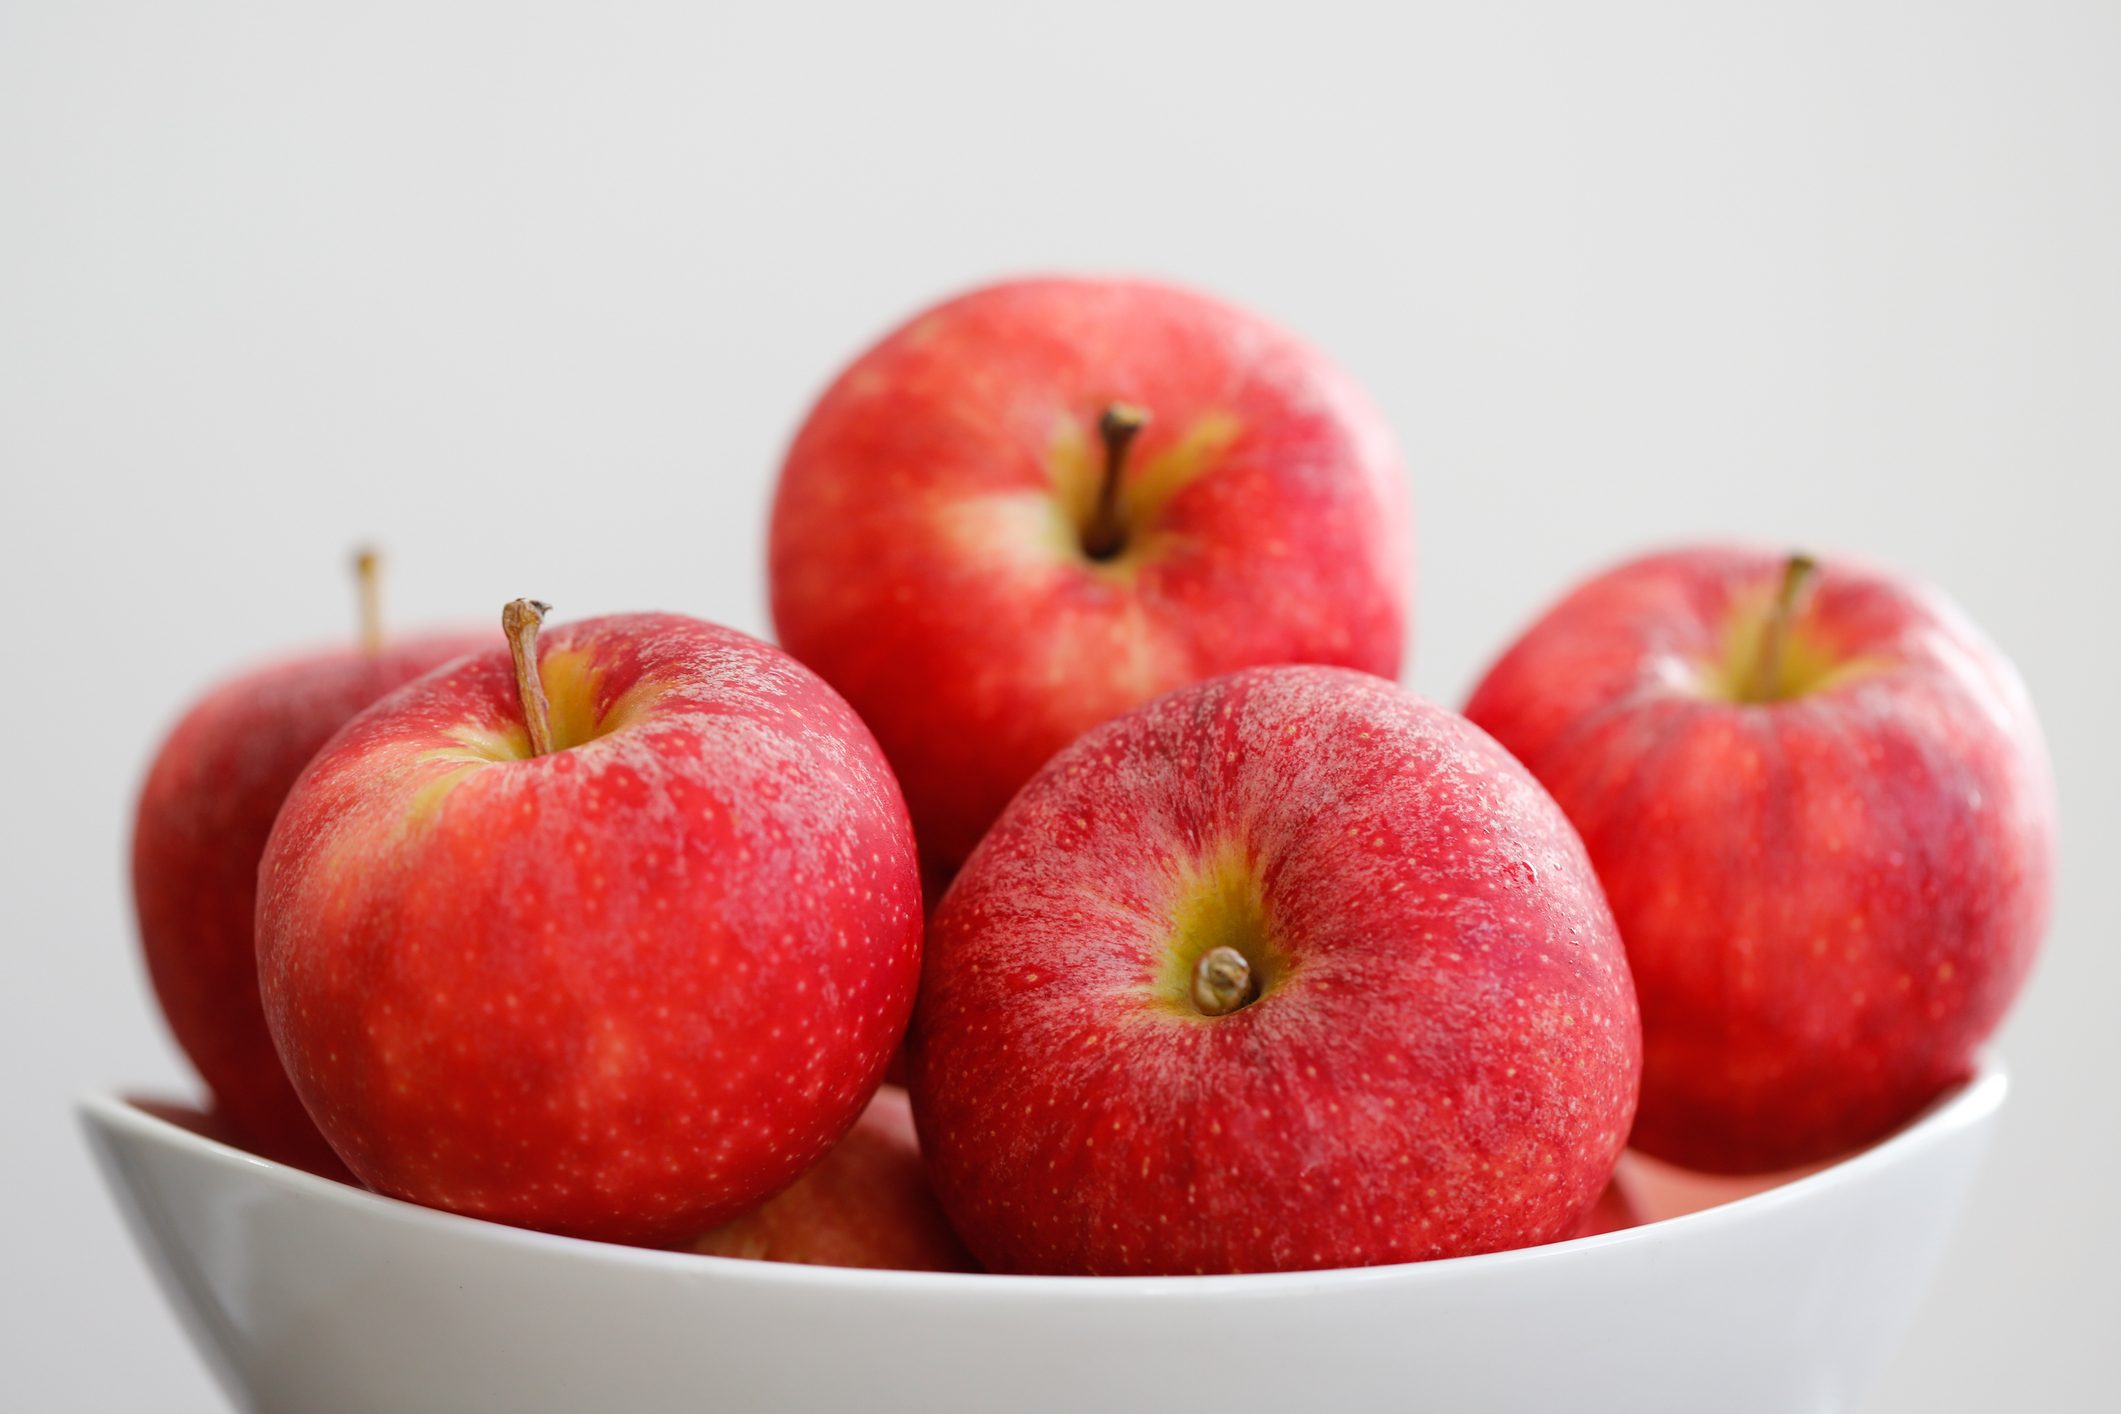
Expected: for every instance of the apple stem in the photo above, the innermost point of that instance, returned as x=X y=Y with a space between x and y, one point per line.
x=1222 y=981
x=368 y=577
x=1118 y=425
x=520 y=620
x=1797 y=573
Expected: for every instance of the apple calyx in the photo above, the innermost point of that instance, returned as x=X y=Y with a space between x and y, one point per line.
x=1222 y=982
x=520 y=620
x=1106 y=534
x=368 y=580
x=1766 y=683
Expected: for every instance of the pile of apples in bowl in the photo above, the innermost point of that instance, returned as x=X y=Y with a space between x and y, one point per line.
x=1270 y=1037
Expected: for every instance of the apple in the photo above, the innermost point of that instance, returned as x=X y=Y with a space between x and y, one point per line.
x=1615 y=1211
x=866 y=1204
x=1289 y=969
x=610 y=937
x=1047 y=501
x=208 y=804
x=1821 y=808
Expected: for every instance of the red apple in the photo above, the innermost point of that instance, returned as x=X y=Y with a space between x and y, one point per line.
x=866 y=1204
x=1046 y=502
x=1615 y=1211
x=1822 y=812
x=204 y=813
x=619 y=969
x=1288 y=969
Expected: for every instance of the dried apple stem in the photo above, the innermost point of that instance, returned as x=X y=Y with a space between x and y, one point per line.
x=1797 y=574
x=1118 y=425
x=1222 y=981
x=368 y=577
x=520 y=620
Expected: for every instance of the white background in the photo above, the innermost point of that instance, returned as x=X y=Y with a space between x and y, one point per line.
x=536 y=297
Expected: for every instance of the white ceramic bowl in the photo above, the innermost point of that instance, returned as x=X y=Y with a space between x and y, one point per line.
x=311 y=1296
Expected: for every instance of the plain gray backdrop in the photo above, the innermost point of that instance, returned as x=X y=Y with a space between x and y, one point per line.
x=535 y=296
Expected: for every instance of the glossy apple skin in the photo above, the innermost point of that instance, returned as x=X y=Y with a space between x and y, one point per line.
x=926 y=552
x=865 y=1204
x=1445 y=1063
x=625 y=990
x=1829 y=901
x=209 y=801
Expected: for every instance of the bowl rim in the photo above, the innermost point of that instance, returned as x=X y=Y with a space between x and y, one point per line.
x=1967 y=1105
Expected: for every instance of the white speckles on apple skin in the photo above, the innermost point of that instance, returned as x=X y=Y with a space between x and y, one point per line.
x=709 y=920
x=1829 y=900
x=925 y=557
x=205 y=812
x=864 y=1204
x=1457 y=1015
